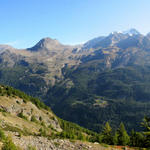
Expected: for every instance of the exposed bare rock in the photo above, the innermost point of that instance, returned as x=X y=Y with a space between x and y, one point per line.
x=14 y=106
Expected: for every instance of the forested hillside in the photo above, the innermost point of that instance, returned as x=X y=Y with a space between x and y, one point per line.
x=26 y=123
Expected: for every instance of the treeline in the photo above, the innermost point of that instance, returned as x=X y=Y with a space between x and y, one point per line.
x=121 y=137
x=76 y=132
x=108 y=136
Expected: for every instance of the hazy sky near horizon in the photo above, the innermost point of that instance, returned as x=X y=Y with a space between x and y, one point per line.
x=24 y=22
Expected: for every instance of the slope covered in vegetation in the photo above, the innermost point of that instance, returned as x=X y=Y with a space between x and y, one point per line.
x=27 y=123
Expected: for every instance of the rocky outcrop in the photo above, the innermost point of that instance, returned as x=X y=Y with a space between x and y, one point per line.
x=15 y=106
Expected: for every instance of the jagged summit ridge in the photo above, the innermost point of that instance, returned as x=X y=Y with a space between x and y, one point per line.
x=131 y=32
x=112 y=39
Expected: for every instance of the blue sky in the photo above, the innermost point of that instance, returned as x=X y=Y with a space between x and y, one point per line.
x=24 y=22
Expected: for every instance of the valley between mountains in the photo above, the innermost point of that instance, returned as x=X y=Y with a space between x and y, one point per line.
x=105 y=79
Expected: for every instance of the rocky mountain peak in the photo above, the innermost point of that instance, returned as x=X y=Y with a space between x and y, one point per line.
x=46 y=44
x=47 y=40
x=131 y=32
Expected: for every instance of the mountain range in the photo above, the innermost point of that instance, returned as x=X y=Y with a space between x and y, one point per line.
x=105 y=79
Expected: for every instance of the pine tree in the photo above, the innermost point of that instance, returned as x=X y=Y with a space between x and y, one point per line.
x=115 y=138
x=107 y=134
x=123 y=138
x=136 y=139
x=146 y=125
x=133 y=138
